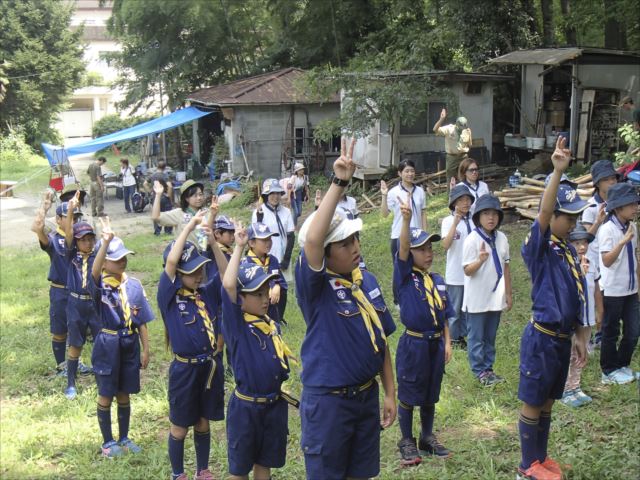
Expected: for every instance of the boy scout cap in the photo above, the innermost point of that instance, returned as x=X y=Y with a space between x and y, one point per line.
x=116 y=250
x=563 y=179
x=81 y=229
x=419 y=237
x=621 y=194
x=341 y=227
x=62 y=210
x=603 y=169
x=457 y=192
x=581 y=233
x=260 y=231
x=568 y=200
x=190 y=260
x=487 y=202
x=251 y=276
x=223 y=223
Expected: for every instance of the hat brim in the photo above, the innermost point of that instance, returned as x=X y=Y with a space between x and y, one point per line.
x=344 y=230
x=194 y=184
x=455 y=199
x=83 y=234
x=621 y=202
x=432 y=237
x=264 y=236
x=589 y=237
x=119 y=255
x=192 y=265
x=611 y=173
x=573 y=208
x=476 y=215
x=257 y=283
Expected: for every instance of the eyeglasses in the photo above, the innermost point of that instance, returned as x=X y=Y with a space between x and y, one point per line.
x=473 y=170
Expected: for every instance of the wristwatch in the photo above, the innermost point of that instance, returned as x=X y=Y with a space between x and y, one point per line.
x=337 y=181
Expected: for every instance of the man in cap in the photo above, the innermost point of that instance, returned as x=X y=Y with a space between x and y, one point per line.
x=457 y=141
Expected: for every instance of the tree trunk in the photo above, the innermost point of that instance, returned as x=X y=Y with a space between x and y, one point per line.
x=569 y=29
x=615 y=33
x=529 y=7
x=548 y=39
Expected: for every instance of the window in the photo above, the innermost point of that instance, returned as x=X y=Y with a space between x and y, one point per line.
x=300 y=140
x=425 y=121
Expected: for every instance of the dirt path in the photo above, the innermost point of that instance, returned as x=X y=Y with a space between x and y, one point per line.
x=16 y=213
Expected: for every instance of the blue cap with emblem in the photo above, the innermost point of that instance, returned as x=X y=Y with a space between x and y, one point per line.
x=251 y=276
x=116 y=250
x=190 y=260
x=260 y=231
x=568 y=200
x=81 y=229
x=223 y=223
x=419 y=237
x=563 y=180
x=62 y=210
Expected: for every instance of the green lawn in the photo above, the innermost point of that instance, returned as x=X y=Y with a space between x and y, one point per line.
x=42 y=435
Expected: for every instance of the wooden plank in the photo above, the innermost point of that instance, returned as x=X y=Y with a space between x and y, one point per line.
x=588 y=97
x=369 y=201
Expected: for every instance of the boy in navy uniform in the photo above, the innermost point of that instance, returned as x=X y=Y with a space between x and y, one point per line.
x=54 y=244
x=124 y=312
x=257 y=413
x=345 y=345
x=425 y=346
x=559 y=293
x=189 y=303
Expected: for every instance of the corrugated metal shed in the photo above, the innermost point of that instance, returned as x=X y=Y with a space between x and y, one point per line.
x=274 y=88
x=556 y=56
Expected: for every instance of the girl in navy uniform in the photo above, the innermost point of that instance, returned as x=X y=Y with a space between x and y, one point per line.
x=558 y=295
x=124 y=312
x=54 y=244
x=80 y=240
x=188 y=303
x=425 y=346
x=258 y=254
x=257 y=412
x=345 y=345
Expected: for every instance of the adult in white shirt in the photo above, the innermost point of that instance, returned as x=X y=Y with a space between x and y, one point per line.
x=454 y=231
x=468 y=173
x=457 y=141
x=405 y=191
x=278 y=218
x=128 y=182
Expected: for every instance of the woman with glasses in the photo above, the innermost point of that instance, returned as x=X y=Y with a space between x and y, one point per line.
x=468 y=173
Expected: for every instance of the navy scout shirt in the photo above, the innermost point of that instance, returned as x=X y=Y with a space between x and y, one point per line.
x=337 y=350
x=57 y=251
x=109 y=306
x=554 y=293
x=79 y=271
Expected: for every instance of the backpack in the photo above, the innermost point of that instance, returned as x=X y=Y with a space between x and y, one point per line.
x=139 y=201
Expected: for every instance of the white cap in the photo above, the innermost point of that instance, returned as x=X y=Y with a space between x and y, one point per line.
x=298 y=166
x=341 y=227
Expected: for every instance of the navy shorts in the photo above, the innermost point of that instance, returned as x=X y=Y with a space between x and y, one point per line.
x=340 y=434
x=116 y=364
x=256 y=434
x=419 y=368
x=544 y=364
x=81 y=315
x=189 y=397
x=58 y=310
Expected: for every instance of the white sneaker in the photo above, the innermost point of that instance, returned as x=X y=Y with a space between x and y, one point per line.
x=617 y=377
x=628 y=371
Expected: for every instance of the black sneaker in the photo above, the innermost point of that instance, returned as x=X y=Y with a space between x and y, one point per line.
x=495 y=378
x=409 y=452
x=431 y=446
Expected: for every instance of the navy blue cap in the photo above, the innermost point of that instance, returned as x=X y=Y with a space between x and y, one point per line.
x=261 y=231
x=458 y=191
x=603 y=169
x=62 y=210
x=419 y=237
x=190 y=260
x=251 y=276
x=116 y=250
x=568 y=201
x=563 y=180
x=487 y=202
x=581 y=233
x=223 y=223
x=81 y=229
x=621 y=194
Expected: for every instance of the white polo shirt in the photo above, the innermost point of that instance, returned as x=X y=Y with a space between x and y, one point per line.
x=393 y=204
x=454 y=274
x=589 y=216
x=615 y=279
x=480 y=190
x=279 y=243
x=478 y=289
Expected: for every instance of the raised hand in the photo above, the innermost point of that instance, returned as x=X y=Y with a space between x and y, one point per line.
x=158 y=189
x=47 y=200
x=38 y=222
x=383 y=187
x=214 y=208
x=602 y=214
x=318 y=199
x=483 y=253
x=344 y=166
x=584 y=264
x=74 y=202
x=240 y=235
x=452 y=182
x=405 y=208
x=457 y=216
x=561 y=156
x=628 y=236
x=106 y=231
x=197 y=219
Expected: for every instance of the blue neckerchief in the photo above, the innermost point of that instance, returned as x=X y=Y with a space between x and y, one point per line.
x=414 y=207
x=628 y=247
x=466 y=222
x=473 y=190
x=494 y=253
x=281 y=229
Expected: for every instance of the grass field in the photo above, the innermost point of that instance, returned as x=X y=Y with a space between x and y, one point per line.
x=43 y=435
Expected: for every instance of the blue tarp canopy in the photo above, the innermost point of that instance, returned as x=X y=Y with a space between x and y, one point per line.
x=57 y=154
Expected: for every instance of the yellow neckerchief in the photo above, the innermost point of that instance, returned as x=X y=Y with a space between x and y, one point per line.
x=202 y=311
x=265 y=265
x=84 y=261
x=60 y=231
x=268 y=327
x=433 y=296
x=224 y=249
x=572 y=265
x=119 y=285
x=369 y=314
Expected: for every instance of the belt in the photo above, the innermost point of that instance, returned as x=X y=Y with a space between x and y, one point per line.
x=123 y=332
x=551 y=333
x=268 y=399
x=57 y=285
x=200 y=359
x=427 y=335
x=354 y=390
x=80 y=297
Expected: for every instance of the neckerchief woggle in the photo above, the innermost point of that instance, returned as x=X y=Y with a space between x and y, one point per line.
x=494 y=253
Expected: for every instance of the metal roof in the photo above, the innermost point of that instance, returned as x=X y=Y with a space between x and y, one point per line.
x=556 y=56
x=274 y=88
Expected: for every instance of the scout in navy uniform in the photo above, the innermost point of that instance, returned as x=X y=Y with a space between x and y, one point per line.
x=558 y=293
x=189 y=306
x=345 y=346
x=258 y=254
x=54 y=244
x=618 y=243
x=124 y=312
x=80 y=240
x=223 y=230
x=425 y=346
x=257 y=412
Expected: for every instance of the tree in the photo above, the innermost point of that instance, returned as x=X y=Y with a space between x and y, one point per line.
x=42 y=65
